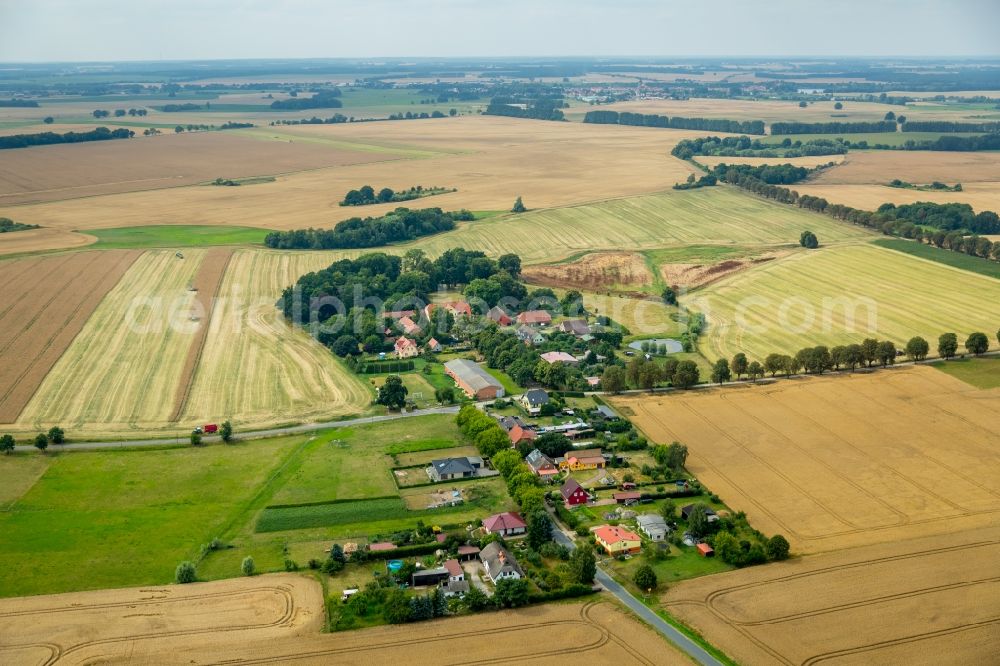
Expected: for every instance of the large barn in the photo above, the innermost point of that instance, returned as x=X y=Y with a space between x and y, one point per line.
x=473 y=379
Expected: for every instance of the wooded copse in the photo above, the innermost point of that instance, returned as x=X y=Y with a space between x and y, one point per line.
x=323 y=99
x=538 y=108
x=674 y=122
x=950 y=126
x=49 y=138
x=744 y=146
x=8 y=225
x=832 y=128
x=366 y=195
x=401 y=224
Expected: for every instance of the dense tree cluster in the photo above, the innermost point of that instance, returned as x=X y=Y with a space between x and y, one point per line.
x=21 y=103
x=832 y=127
x=538 y=108
x=8 y=225
x=174 y=108
x=770 y=174
x=947 y=217
x=744 y=146
x=323 y=99
x=48 y=138
x=708 y=180
x=675 y=122
x=401 y=224
x=366 y=195
x=949 y=126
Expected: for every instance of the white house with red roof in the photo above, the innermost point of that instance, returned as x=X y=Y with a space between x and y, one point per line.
x=505 y=524
x=405 y=347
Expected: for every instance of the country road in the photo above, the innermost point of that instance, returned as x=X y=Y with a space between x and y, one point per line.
x=669 y=632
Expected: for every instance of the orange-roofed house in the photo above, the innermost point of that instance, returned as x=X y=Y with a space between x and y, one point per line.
x=518 y=434
x=409 y=326
x=406 y=348
x=617 y=540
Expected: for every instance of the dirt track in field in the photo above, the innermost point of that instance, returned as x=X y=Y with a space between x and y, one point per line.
x=207 y=282
x=48 y=301
x=598 y=271
x=278 y=618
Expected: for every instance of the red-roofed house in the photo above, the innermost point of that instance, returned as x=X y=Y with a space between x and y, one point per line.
x=573 y=493
x=434 y=345
x=458 y=308
x=406 y=348
x=617 y=540
x=518 y=434
x=535 y=318
x=505 y=524
x=454 y=570
x=705 y=550
x=409 y=326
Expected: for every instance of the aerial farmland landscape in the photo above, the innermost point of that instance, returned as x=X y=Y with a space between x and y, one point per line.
x=454 y=334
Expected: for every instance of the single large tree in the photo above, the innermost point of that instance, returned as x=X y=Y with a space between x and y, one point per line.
x=917 y=348
x=720 y=371
x=686 y=375
x=645 y=578
x=869 y=351
x=539 y=529
x=977 y=344
x=41 y=441
x=518 y=206
x=583 y=565
x=57 y=435
x=947 y=345
x=613 y=379
x=808 y=240
x=739 y=364
x=511 y=593
x=886 y=353
x=392 y=393
x=7 y=444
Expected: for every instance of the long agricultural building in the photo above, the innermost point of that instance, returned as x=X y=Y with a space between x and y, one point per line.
x=473 y=379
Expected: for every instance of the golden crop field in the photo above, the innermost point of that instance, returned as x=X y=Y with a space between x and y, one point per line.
x=862 y=179
x=122 y=370
x=842 y=295
x=929 y=600
x=278 y=618
x=718 y=215
x=490 y=160
x=256 y=370
x=841 y=461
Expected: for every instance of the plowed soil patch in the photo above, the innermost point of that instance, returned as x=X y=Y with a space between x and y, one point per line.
x=599 y=271
x=691 y=276
x=206 y=282
x=49 y=299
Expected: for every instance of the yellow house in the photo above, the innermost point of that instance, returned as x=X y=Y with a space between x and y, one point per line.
x=617 y=540
x=588 y=459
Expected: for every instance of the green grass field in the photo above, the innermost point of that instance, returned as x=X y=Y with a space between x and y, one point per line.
x=352 y=463
x=718 y=215
x=119 y=518
x=808 y=299
x=181 y=235
x=946 y=257
x=983 y=372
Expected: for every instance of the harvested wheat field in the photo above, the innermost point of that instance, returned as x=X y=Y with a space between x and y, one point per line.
x=926 y=601
x=842 y=461
x=827 y=297
x=615 y=271
x=50 y=299
x=206 y=285
x=254 y=369
x=67 y=171
x=723 y=216
x=490 y=161
x=32 y=240
x=122 y=370
x=150 y=625
x=980 y=195
x=277 y=618
x=919 y=167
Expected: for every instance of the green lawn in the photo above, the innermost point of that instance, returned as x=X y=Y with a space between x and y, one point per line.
x=983 y=372
x=946 y=257
x=181 y=235
x=119 y=518
x=682 y=563
x=509 y=385
x=352 y=463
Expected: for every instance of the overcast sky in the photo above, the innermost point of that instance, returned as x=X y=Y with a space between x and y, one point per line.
x=74 y=30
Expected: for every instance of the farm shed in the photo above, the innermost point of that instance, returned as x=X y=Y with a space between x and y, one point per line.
x=474 y=381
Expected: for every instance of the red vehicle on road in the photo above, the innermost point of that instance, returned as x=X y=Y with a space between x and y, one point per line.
x=211 y=428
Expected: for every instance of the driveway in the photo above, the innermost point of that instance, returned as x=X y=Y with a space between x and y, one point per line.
x=473 y=573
